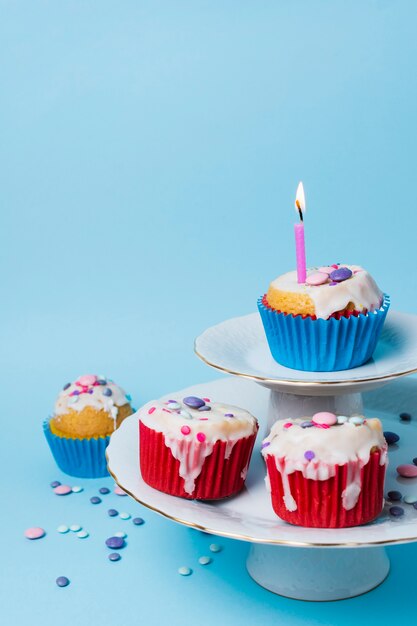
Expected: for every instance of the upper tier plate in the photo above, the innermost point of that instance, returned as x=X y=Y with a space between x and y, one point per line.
x=249 y=515
x=238 y=346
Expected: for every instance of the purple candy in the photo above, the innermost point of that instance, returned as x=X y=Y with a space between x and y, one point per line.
x=101 y=381
x=205 y=408
x=66 y=386
x=265 y=445
x=62 y=581
x=308 y=424
x=95 y=500
x=341 y=274
x=193 y=402
x=309 y=455
x=55 y=483
x=112 y=512
x=104 y=490
x=394 y=496
x=228 y=415
x=114 y=556
x=138 y=521
x=396 y=511
x=76 y=392
x=115 y=543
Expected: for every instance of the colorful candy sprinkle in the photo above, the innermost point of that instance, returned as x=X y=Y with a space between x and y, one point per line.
x=185 y=430
x=151 y=410
x=357 y=420
x=55 y=483
x=95 y=500
x=287 y=424
x=307 y=424
x=407 y=470
x=82 y=534
x=410 y=499
x=63 y=529
x=324 y=418
x=77 y=489
x=104 y=490
x=62 y=581
x=62 y=490
x=172 y=404
x=309 y=455
x=206 y=399
x=341 y=274
x=185 y=414
x=228 y=415
x=215 y=547
x=114 y=556
x=112 y=512
x=125 y=515
x=107 y=392
x=326 y=270
x=185 y=571
x=265 y=444
x=193 y=402
x=115 y=543
x=342 y=419
x=88 y=379
x=66 y=386
x=119 y=491
x=34 y=533
x=394 y=496
x=75 y=528
x=405 y=417
x=138 y=521
x=101 y=381
x=391 y=437
x=317 y=278
x=204 y=560
x=200 y=437
x=120 y=534
x=396 y=511
x=205 y=408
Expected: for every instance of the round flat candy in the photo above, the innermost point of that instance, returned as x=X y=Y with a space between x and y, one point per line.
x=125 y=516
x=204 y=560
x=63 y=529
x=62 y=490
x=82 y=534
x=324 y=417
x=410 y=499
x=112 y=512
x=34 y=533
x=326 y=269
x=120 y=534
x=394 y=496
x=185 y=414
x=87 y=380
x=357 y=420
x=62 y=581
x=307 y=424
x=115 y=543
x=75 y=528
x=95 y=500
x=341 y=274
x=193 y=402
x=214 y=547
x=172 y=404
x=119 y=491
x=396 y=511
x=185 y=571
x=342 y=419
x=55 y=483
x=138 y=521
x=317 y=278
x=104 y=490
x=390 y=437
x=407 y=470
x=114 y=556
x=405 y=417
x=205 y=408
x=77 y=489
x=107 y=392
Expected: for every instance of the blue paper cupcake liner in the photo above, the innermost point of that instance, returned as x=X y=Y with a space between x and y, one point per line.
x=84 y=458
x=317 y=345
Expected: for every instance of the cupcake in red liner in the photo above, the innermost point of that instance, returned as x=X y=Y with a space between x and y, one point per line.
x=194 y=448
x=329 y=323
x=327 y=471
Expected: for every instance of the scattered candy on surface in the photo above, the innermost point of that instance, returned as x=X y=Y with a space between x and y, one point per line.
x=119 y=491
x=112 y=512
x=396 y=511
x=75 y=528
x=104 y=490
x=193 y=402
x=114 y=556
x=405 y=417
x=120 y=534
x=34 y=533
x=62 y=490
x=55 y=483
x=77 y=489
x=410 y=499
x=82 y=534
x=151 y=410
x=95 y=500
x=115 y=543
x=326 y=270
x=138 y=521
x=288 y=425
x=204 y=560
x=185 y=571
x=407 y=470
x=324 y=418
x=63 y=529
x=62 y=581
x=125 y=515
x=391 y=437
x=415 y=460
x=215 y=547
x=394 y=496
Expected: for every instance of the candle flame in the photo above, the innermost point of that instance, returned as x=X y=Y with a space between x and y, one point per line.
x=300 y=200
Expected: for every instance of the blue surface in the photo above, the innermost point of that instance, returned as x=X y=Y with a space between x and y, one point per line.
x=150 y=152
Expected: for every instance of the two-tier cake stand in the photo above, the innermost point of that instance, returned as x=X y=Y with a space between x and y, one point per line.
x=297 y=562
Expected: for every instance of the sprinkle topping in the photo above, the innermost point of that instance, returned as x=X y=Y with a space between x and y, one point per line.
x=193 y=402
x=324 y=418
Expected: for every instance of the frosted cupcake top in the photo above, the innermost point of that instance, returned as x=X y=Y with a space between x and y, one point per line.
x=198 y=419
x=332 y=288
x=316 y=445
x=91 y=391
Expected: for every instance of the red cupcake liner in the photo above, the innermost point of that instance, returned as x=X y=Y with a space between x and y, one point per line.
x=219 y=477
x=319 y=502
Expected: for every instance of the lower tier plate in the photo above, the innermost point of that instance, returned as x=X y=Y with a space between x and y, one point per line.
x=249 y=515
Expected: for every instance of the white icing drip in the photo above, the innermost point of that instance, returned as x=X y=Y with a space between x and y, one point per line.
x=191 y=456
x=335 y=446
x=361 y=289
x=229 y=447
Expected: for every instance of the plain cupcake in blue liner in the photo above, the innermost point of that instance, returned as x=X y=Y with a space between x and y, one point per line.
x=329 y=323
x=86 y=413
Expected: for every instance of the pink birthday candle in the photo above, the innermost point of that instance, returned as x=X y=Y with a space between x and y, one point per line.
x=300 y=207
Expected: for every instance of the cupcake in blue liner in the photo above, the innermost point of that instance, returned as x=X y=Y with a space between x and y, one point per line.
x=331 y=322
x=87 y=412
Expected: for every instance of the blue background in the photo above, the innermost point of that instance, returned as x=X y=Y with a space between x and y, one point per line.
x=150 y=153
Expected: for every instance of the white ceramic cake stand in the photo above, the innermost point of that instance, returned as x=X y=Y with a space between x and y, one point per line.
x=293 y=561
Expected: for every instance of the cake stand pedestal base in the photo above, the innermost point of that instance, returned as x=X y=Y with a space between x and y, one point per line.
x=317 y=574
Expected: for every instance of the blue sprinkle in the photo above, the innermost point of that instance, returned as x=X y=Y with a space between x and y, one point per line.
x=107 y=392
x=265 y=444
x=391 y=437
x=104 y=490
x=95 y=500
x=112 y=512
x=66 y=386
x=396 y=511
x=129 y=399
x=138 y=521
x=308 y=424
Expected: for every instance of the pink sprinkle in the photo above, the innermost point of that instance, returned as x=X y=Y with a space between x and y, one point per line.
x=166 y=411
x=62 y=490
x=185 y=430
x=151 y=410
x=119 y=492
x=287 y=425
x=335 y=266
x=201 y=437
x=322 y=426
x=34 y=533
x=206 y=399
x=203 y=419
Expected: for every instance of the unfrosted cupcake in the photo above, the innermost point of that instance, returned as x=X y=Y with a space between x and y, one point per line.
x=86 y=413
x=331 y=322
x=326 y=471
x=195 y=448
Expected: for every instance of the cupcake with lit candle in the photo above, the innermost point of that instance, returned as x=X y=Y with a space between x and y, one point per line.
x=326 y=471
x=194 y=448
x=325 y=318
x=86 y=413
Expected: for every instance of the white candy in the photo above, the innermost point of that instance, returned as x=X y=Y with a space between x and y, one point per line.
x=82 y=534
x=62 y=529
x=124 y=515
x=342 y=419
